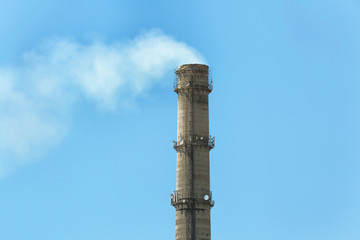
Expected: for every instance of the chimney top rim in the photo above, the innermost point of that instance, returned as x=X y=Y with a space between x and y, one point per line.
x=193 y=66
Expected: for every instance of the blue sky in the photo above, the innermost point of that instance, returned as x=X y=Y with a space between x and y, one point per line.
x=86 y=132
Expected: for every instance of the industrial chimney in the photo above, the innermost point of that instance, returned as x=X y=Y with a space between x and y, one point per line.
x=193 y=198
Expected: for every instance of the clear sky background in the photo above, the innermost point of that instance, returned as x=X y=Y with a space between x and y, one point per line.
x=88 y=115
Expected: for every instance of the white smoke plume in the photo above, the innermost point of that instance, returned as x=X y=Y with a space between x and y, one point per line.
x=37 y=96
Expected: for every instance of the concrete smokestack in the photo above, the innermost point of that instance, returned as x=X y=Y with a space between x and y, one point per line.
x=193 y=198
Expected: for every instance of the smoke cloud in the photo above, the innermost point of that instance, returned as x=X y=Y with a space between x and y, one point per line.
x=37 y=96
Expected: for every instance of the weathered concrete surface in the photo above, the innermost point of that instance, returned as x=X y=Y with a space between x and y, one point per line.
x=192 y=198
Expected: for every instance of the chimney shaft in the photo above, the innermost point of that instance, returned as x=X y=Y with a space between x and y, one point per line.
x=193 y=198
